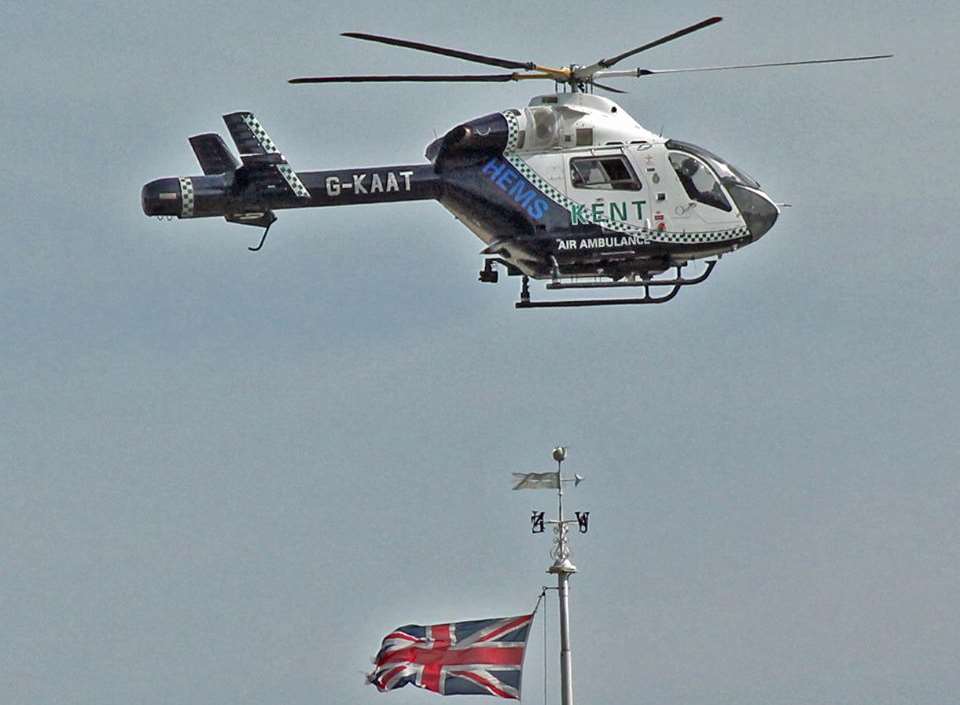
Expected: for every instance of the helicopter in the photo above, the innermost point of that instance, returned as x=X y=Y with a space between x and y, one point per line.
x=570 y=189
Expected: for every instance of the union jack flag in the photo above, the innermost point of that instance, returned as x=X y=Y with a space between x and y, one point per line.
x=483 y=657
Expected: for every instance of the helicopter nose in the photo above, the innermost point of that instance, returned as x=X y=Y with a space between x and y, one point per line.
x=759 y=212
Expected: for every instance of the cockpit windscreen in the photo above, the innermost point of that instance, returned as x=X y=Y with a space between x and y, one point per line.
x=727 y=172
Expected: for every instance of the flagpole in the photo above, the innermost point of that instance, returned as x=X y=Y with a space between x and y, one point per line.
x=563 y=569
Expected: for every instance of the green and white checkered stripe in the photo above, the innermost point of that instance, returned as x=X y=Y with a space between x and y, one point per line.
x=699 y=237
x=510 y=154
x=291 y=178
x=259 y=133
x=263 y=139
x=186 y=197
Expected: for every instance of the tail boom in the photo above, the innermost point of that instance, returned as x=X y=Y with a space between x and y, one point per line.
x=249 y=189
x=246 y=191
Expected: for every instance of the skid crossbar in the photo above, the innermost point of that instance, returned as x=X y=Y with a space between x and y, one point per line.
x=677 y=283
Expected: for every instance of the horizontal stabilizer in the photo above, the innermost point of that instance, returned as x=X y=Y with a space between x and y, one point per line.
x=213 y=154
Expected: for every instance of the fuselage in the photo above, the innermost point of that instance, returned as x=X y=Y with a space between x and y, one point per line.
x=573 y=183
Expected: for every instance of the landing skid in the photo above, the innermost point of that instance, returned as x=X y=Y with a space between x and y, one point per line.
x=675 y=284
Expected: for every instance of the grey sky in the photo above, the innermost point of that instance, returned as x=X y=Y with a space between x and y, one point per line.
x=226 y=475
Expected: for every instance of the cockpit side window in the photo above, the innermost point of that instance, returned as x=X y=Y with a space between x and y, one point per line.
x=612 y=173
x=698 y=181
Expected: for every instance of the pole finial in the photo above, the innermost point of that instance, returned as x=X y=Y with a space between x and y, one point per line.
x=560 y=454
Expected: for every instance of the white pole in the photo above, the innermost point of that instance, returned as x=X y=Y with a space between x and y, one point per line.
x=563 y=569
x=566 y=663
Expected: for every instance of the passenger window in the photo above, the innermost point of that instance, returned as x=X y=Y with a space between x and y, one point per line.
x=612 y=173
x=698 y=181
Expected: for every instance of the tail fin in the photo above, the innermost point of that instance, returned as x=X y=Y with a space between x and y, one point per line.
x=213 y=154
x=259 y=153
x=261 y=220
x=248 y=134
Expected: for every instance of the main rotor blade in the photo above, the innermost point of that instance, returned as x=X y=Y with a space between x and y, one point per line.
x=639 y=73
x=455 y=53
x=463 y=78
x=607 y=88
x=607 y=63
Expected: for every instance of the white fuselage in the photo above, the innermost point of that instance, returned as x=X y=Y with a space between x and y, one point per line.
x=671 y=197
